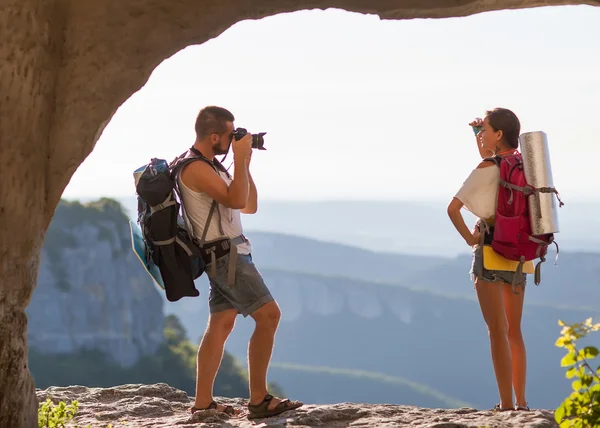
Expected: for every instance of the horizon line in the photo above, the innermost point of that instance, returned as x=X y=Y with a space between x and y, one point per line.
x=318 y=200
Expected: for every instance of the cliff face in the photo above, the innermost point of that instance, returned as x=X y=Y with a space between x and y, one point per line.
x=92 y=292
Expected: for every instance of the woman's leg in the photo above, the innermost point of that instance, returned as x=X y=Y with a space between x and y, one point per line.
x=513 y=304
x=491 y=301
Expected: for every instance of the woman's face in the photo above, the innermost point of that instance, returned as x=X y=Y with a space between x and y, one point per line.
x=489 y=138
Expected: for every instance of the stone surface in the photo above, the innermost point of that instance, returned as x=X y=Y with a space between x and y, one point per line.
x=159 y=405
x=65 y=68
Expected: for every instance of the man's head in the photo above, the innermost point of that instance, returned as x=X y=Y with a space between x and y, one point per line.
x=214 y=128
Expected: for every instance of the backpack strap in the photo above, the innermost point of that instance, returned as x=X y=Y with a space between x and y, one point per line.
x=518 y=274
x=537 y=275
x=205 y=231
x=527 y=190
x=496 y=159
x=164 y=204
x=550 y=190
x=176 y=166
x=216 y=165
x=233 y=257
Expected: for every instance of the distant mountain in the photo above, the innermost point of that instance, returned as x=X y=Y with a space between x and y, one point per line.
x=90 y=293
x=300 y=254
x=417 y=246
x=328 y=385
x=418 y=228
x=575 y=281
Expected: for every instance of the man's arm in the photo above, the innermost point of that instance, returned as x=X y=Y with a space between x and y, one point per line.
x=252 y=205
x=201 y=177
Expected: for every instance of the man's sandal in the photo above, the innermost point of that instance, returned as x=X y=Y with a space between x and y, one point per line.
x=213 y=406
x=257 y=411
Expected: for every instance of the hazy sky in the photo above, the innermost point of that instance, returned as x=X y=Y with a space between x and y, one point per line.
x=359 y=108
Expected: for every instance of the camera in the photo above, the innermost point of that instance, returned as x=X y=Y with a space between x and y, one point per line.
x=258 y=142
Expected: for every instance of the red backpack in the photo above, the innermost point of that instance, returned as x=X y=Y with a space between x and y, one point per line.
x=513 y=238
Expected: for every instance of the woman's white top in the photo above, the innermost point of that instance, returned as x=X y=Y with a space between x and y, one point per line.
x=479 y=192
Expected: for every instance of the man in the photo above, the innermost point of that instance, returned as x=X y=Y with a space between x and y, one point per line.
x=201 y=183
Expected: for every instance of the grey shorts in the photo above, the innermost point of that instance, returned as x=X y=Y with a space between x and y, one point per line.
x=248 y=293
x=478 y=271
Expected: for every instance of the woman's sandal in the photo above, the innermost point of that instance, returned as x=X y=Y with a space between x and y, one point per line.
x=257 y=411
x=497 y=408
x=229 y=410
x=523 y=408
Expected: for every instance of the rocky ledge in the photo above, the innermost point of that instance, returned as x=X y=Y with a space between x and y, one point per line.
x=161 y=406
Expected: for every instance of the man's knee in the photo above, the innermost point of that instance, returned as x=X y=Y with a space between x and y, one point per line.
x=222 y=323
x=268 y=316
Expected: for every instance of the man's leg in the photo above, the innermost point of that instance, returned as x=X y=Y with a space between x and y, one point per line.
x=260 y=349
x=251 y=296
x=210 y=354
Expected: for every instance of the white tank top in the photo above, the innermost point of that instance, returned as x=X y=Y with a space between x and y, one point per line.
x=197 y=205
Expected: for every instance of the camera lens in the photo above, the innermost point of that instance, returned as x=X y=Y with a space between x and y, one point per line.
x=258 y=141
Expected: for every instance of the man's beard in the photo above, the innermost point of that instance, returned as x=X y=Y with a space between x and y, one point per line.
x=219 y=151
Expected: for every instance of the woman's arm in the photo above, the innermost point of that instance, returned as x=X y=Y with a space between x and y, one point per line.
x=459 y=222
x=468 y=193
x=478 y=124
x=484 y=153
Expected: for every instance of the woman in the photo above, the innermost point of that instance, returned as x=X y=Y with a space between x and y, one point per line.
x=501 y=304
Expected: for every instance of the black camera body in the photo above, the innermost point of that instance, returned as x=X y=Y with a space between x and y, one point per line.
x=258 y=142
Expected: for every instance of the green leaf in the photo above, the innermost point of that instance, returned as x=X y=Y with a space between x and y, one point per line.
x=571 y=372
x=586 y=380
x=559 y=413
x=589 y=352
x=568 y=360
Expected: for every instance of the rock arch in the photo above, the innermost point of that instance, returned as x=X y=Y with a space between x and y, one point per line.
x=65 y=68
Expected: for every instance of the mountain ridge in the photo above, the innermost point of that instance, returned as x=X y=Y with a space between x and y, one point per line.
x=398 y=226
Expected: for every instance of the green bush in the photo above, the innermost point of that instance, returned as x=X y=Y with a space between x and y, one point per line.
x=56 y=416
x=581 y=409
x=52 y=415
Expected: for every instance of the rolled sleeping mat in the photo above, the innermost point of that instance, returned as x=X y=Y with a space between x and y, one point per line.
x=538 y=172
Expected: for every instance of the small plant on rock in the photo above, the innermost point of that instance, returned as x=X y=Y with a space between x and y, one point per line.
x=56 y=416
x=581 y=409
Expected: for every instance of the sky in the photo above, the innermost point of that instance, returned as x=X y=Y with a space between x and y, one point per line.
x=360 y=108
